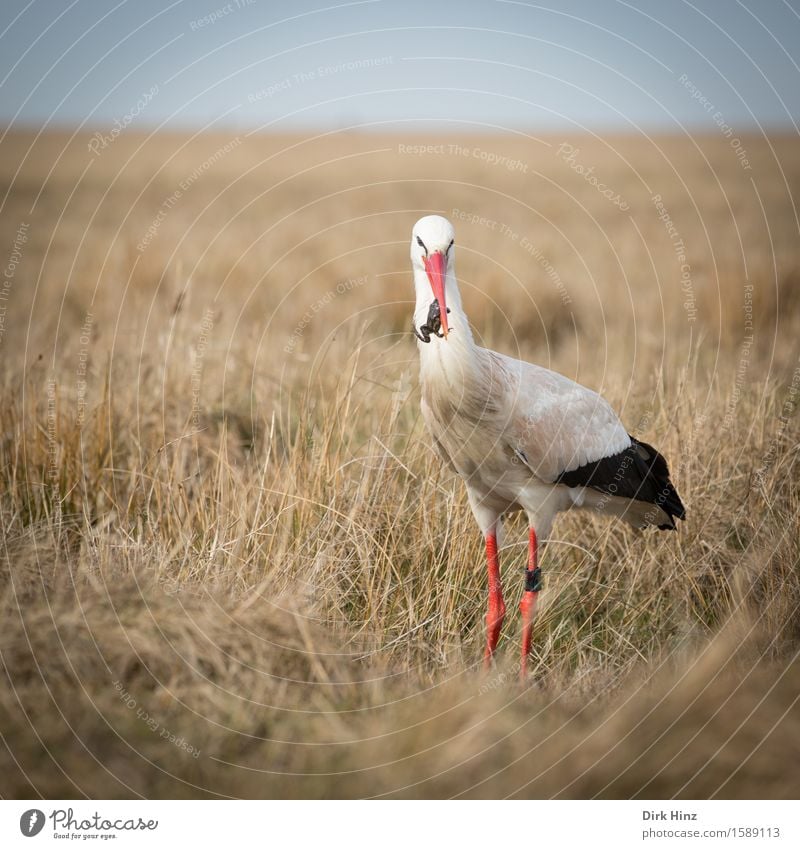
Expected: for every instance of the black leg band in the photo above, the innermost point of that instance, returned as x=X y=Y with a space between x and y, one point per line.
x=533 y=580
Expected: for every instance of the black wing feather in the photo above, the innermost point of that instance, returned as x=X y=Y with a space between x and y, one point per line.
x=639 y=473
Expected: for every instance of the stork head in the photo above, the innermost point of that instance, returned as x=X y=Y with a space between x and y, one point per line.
x=432 y=249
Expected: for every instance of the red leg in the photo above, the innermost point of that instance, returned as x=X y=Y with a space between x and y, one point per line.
x=533 y=583
x=497 y=607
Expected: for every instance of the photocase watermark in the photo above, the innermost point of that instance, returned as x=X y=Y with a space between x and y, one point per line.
x=569 y=153
x=321 y=302
x=84 y=340
x=788 y=409
x=744 y=358
x=678 y=246
x=183 y=187
x=716 y=116
x=522 y=241
x=477 y=219
x=496 y=160
x=100 y=141
x=9 y=272
x=96 y=826
x=219 y=14
x=318 y=73
x=152 y=723
x=206 y=326
x=31 y=822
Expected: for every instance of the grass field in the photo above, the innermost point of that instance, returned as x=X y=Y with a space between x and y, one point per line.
x=232 y=564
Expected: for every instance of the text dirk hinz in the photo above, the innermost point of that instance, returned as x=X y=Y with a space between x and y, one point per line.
x=673 y=815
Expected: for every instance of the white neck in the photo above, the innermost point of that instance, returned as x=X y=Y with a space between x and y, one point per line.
x=457 y=353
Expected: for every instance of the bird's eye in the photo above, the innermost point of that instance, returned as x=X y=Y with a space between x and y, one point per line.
x=422 y=245
x=450 y=246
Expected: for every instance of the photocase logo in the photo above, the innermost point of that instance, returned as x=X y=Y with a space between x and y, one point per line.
x=31 y=822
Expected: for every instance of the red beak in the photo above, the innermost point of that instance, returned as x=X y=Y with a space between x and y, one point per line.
x=436 y=268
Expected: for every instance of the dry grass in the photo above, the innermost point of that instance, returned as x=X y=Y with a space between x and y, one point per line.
x=235 y=532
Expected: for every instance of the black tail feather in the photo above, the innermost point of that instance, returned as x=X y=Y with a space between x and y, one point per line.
x=639 y=473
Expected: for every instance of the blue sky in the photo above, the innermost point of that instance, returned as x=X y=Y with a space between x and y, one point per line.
x=382 y=64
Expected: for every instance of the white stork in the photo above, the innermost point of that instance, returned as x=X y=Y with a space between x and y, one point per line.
x=521 y=436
